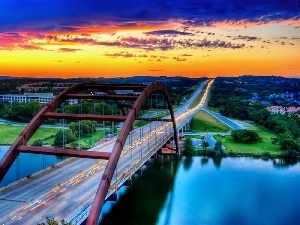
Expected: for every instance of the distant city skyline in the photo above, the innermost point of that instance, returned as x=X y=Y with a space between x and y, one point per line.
x=89 y=38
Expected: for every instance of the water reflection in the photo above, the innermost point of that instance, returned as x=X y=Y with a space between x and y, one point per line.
x=187 y=162
x=217 y=161
x=204 y=160
x=149 y=191
x=284 y=162
x=204 y=190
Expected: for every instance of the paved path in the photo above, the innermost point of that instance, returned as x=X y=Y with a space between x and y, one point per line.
x=208 y=137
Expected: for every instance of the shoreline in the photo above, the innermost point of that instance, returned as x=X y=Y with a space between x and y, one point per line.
x=265 y=155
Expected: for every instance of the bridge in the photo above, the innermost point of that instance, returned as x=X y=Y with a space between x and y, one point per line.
x=71 y=185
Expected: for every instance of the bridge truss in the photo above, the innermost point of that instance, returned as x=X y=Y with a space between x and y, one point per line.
x=130 y=106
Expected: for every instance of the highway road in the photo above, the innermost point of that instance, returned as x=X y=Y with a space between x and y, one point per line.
x=62 y=191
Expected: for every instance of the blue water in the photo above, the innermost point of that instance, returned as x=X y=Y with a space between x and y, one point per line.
x=196 y=191
x=26 y=164
x=201 y=190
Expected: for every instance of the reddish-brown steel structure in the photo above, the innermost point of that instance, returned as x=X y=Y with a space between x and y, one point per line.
x=129 y=116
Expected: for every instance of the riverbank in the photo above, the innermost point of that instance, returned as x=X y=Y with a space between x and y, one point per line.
x=207 y=126
x=211 y=153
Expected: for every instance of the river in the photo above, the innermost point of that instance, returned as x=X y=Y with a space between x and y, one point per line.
x=200 y=190
x=26 y=164
x=196 y=190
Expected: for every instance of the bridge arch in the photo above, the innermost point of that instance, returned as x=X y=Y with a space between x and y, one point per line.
x=99 y=199
x=130 y=114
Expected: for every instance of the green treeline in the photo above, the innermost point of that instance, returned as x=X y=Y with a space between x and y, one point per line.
x=232 y=102
x=24 y=112
x=19 y=112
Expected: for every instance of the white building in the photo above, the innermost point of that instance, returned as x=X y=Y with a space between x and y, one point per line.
x=283 y=110
x=42 y=98
x=276 y=109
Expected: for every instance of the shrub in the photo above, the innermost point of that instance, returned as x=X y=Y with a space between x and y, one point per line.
x=266 y=155
x=38 y=142
x=245 y=136
x=290 y=154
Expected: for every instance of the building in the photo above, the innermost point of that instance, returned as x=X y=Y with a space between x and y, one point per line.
x=276 y=109
x=283 y=110
x=42 y=98
x=292 y=110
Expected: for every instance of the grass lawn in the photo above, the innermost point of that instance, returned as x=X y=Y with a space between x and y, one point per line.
x=203 y=122
x=87 y=142
x=46 y=134
x=265 y=145
x=9 y=133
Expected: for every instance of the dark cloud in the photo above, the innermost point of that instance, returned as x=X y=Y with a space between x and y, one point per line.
x=246 y=38
x=29 y=47
x=66 y=15
x=67 y=28
x=86 y=41
x=178 y=59
x=155 y=43
x=120 y=54
x=167 y=32
x=150 y=43
x=210 y=44
x=68 y=49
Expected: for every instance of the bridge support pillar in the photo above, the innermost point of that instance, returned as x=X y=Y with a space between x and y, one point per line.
x=139 y=171
x=154 y=156
x=128 y=182
x=147 y=163
x=187 y=126
x=113 y=197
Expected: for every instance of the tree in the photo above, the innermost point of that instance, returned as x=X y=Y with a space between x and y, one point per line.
x=188 y=146
x=204 y=144
x=38 y=142
x=87 y=127
x=286 y=142
x=22 y=112
x=74 y=145
x=219 y=148
x=245 y=136
x=58 y=140
x=52 y=221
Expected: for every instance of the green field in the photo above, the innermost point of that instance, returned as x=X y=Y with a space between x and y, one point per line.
x=265 y=145
x=203 y=122
x=9 y=133
x=87 y=142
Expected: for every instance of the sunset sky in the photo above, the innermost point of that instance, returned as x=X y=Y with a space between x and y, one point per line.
x=109 y=38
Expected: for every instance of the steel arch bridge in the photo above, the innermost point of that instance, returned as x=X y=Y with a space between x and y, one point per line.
x=130 y=115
